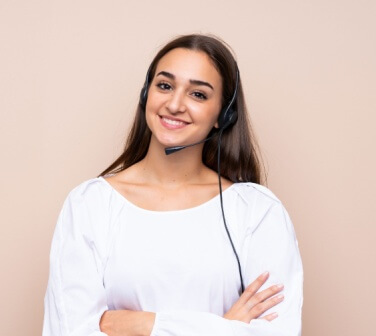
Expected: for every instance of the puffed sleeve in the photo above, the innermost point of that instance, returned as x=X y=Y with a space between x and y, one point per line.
x=75 y=298
x=267 y=243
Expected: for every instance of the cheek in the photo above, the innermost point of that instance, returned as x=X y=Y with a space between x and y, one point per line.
x=150 y=118
x=150 y=105
x=204 y=112
x=213 y=114
x=152 y=108
x=207 y=119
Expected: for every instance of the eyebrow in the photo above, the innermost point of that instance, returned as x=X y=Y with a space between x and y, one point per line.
x=192 y=81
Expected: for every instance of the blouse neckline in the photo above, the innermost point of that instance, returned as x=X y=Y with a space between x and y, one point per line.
x=181 y=211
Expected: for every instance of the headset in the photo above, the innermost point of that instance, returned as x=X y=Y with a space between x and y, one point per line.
x=227 y=117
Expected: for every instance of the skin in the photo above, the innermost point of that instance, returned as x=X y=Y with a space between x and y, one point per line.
x=183 y=105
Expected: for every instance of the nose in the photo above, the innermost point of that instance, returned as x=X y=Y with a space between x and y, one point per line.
x=176 y=102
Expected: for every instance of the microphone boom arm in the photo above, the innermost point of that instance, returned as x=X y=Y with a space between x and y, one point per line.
x=171 y=150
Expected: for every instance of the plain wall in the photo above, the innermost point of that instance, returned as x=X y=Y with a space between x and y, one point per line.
x=70 y=77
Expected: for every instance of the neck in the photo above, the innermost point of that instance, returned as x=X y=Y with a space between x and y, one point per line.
x=179 y=168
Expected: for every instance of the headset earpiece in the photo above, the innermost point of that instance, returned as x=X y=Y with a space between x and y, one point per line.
x=144 y=97
x=144 y=90
x=229 y=115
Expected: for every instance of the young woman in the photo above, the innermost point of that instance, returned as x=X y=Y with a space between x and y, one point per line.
x=153 y=246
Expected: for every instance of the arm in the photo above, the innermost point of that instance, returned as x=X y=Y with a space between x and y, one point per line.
x=249 y=306
x=75 y=298
x=272 y=246
x=127 y=323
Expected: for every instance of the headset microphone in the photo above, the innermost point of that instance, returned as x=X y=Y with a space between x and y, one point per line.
x=171 y=150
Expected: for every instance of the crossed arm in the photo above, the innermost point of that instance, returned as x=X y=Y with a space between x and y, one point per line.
x=251 y=305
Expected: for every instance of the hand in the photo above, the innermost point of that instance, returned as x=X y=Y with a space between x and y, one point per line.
x=251 y=304
x=127 y=323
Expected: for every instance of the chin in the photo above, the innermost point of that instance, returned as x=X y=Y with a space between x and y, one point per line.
x=166 y=141
x=171 y=140
x=172 y=143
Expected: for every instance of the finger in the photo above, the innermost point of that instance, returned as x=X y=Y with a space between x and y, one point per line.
x=269 y=317
x=262 y=307
x=263 y=295
x=253 y=287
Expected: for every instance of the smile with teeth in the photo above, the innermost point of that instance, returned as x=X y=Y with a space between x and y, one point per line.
x=173 y=122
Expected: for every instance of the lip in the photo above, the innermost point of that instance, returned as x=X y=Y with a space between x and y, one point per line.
x=175 y=123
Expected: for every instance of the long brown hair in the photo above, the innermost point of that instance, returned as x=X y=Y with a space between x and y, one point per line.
x=240 y=161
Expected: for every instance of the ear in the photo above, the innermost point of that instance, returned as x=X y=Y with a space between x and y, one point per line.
x=216 y=125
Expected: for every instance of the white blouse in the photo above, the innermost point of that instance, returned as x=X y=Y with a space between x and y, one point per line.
x=109 y=254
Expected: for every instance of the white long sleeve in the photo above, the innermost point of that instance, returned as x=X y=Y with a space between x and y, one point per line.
x=75 y=299
x=108 y=254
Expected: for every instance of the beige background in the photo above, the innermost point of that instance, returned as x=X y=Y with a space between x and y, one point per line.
x=70 y=76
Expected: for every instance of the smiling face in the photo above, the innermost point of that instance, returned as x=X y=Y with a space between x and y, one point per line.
x=184 y=98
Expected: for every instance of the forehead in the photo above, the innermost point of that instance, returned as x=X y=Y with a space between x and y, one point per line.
x=189 y=64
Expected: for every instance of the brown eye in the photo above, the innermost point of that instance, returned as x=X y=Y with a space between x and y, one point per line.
x=199 y=95
x=164 y=86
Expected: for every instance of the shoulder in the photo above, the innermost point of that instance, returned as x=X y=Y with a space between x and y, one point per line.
x=89 y=207
x=94 y=194
x=251 y=193
x=89 y=189
x=252 y=204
